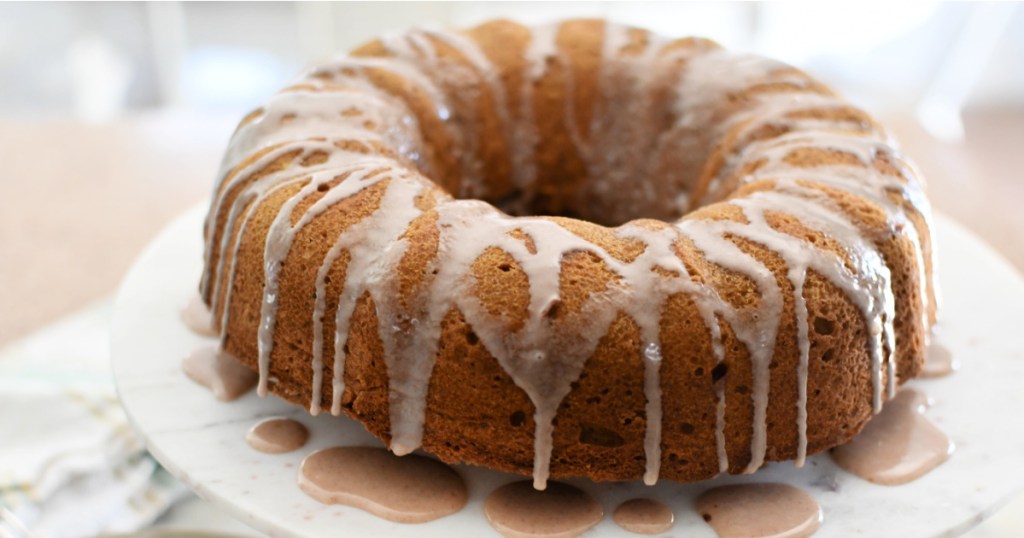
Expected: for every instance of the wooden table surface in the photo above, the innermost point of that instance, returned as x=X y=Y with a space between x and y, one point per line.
x=78 y=202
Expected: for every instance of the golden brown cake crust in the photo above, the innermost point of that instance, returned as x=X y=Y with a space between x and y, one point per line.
x=731 y=145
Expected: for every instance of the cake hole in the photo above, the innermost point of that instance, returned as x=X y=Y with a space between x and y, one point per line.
x=826 y=356
x=562 y=188
x=686 y=428
x=718 y=372
x=471 y=338
x=823 y=326
x=742 y=389
x=699 y=372
x=505 y=267
x=707 y=517
x=592 y=434
x=323 y=187
x=517 y=419
x=553 y=309
x=594 y=400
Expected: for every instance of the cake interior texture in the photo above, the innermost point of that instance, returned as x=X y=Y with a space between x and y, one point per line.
x=577 y=250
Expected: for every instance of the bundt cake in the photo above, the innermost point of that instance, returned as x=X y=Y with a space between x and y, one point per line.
x=572 y=250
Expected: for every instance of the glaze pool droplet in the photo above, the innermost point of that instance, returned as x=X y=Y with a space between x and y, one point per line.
x=644 y=516
x=197 y=317
x=939 y=362
x=767 y=510
x=407 y=489
x=277 y=435
x=898 y=445
x=219 y=372
x=517 y=510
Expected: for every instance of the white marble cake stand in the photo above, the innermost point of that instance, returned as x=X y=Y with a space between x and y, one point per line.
x=201 y=440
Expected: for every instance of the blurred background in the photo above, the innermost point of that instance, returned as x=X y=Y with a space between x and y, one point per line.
x=99 y=62
x=113 y=116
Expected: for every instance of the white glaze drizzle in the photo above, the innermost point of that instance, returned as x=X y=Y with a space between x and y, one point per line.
x=485 y=70
x=250 y=198
x=544 y=357
x=366 y=242
x=541 y=49
x=279 y=241
x=415 y=49
x=618 y=138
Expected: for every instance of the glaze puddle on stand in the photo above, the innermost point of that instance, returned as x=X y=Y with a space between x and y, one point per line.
x=644 y=516
x=407 y=489
x=277 y=435
x=197 y=317
x=760 y=511
x=898 y=445
x=219 y=372
x=939 y=362
x=517 y=510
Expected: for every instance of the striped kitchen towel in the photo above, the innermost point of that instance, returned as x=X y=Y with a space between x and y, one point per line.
x=70 y=464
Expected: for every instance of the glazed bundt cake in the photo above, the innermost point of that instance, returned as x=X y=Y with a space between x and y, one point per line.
x=572 y=250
